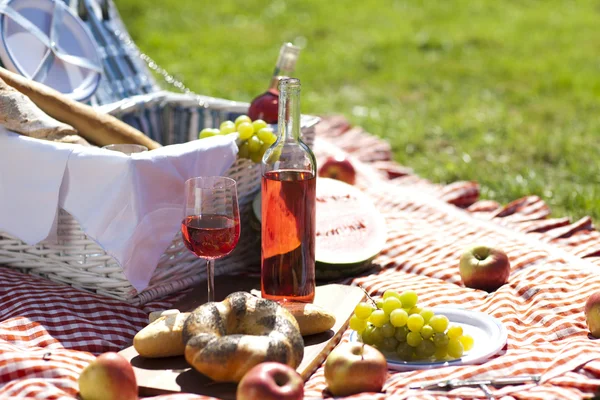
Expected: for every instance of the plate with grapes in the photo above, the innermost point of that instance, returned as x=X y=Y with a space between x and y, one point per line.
x=489 y=337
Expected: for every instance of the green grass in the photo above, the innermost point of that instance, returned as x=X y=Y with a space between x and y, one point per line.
x=505 y=93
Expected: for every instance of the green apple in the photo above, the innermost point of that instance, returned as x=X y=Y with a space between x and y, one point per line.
x=484 y=267
x=354 y=368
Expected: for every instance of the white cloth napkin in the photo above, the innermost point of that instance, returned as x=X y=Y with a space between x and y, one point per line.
x=130 y=205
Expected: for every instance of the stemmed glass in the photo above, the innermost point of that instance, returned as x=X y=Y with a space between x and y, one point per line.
x=211 y=220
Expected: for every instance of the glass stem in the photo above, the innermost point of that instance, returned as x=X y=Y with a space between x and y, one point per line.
x=210 y=278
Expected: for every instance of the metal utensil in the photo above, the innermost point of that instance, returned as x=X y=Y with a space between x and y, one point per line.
x=454 y=383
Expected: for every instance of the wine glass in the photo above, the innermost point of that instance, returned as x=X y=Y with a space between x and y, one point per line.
x=211 y=220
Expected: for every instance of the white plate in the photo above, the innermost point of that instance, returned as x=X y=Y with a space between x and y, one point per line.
x=489 y=335
x=22 y=52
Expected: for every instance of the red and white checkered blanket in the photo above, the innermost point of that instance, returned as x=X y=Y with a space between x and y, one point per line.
x=49 y=332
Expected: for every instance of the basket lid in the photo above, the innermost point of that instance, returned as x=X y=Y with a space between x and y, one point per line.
x=45 y=41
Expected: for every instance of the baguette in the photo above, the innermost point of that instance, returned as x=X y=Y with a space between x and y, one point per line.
x=19 y=114
x=100 y=129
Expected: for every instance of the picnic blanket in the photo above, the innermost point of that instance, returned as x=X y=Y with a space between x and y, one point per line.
x=49 y=332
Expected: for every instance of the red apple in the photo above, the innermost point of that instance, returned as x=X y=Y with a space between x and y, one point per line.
x=354 y=368
x=592 y=314
x=109 y=377
x=484 y=267
x=338 y=167
x=271 y=381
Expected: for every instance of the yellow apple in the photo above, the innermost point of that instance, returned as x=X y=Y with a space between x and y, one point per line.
x=109 y=377
x=354 y=368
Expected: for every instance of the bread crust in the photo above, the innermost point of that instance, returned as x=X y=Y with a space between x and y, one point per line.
x=311 y=318
x=162 y=337
x=226 y=339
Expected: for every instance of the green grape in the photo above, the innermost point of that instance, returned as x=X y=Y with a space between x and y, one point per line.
x=363 y=310
x=256 y=157
x=244 y=152
x=454 y=332
x=226 y=127
x=427 y=331
x=208 y=132
x=388 y=330
x=455 y=348
x=267 y=135
x=441 y=353
x=357 y=324
x=415 y=310
x=425 y=349
x=401 y=333
x=390 y=304
x=254 y=144
x=409 y=299
x=413 y=339
x=241 y=119
x=378 y=318
x=427 y=313
x=391 y=293
x=379 y=304
x=440 y=339
x=404 y=351
x=415 y=322
x=377 y=337
x=398 y=317
x=245 y=130
x=246 y=135
x=389 y=344
x=366 y=334
x=467 y=342
x=258 y=125
x=274 y=154
x=263 y=148
x=439 y=323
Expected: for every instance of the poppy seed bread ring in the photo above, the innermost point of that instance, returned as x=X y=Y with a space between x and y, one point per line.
x=223 y=340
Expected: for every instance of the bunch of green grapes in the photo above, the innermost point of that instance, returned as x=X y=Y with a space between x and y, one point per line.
x=397 y=324
x=255 y=137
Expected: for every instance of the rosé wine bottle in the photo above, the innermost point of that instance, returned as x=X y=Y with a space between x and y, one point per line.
x=288 y=207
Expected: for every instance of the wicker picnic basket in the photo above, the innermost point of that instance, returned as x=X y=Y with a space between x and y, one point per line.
x=169 y=118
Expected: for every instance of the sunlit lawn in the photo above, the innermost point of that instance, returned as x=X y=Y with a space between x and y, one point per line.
x=506 y=93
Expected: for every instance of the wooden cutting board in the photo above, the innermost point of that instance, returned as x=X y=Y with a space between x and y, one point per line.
x=173 y=374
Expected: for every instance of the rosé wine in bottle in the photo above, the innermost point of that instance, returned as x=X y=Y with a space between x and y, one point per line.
x=266 y=105
x=288 y=194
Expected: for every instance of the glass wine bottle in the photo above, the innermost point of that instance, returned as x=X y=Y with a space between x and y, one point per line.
x=266 y=105
x=288 y=193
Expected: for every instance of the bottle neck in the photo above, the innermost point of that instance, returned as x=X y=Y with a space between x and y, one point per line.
x=273 y=86
x=286 y=64
x=289 y=110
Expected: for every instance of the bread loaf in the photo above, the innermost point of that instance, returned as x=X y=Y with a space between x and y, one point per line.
x=154 y=315
x=226 y=339
x=311 y=318
x=19 y=114
x=100 y=129
x=161 y=338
